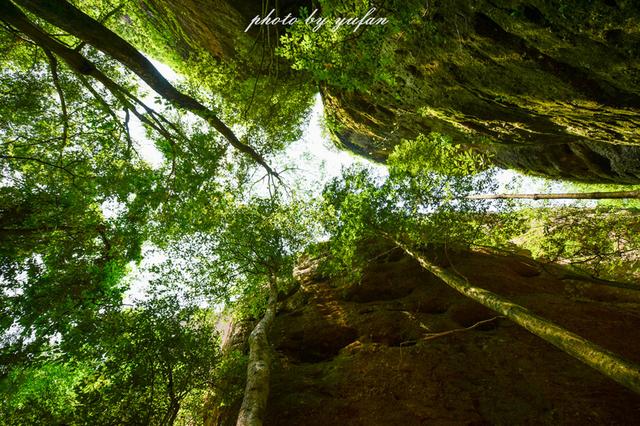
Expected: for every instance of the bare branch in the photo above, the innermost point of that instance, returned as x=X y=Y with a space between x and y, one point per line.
x=430 y=336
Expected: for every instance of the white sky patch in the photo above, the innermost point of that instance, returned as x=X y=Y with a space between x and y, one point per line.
x=141 y=275
x=145 y=146
x=11 y=335
x=315 y=147
x=112 y=208
x=166 y=71
x=9 y=177
x=513 y=182
x=313 y=160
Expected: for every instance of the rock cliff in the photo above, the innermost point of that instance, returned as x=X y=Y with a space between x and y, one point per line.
x=550 y=88
x=393 y=349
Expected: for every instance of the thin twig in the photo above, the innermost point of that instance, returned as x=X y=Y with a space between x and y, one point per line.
x=430 y=336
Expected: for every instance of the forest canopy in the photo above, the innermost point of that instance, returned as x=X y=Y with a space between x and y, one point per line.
x=121 y=278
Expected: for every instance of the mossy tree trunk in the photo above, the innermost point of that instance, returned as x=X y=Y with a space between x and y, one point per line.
x=608 y=363
x=563 y=196
x=256 y=391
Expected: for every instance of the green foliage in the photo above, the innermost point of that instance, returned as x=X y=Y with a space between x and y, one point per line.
x=268 y=108
x=343 y=58
x=45 y=394
x=230 y=376
x=251 y=89
x=349 y=208
x=435 y=153
x=628 y=203
x=77 y=202
x=425 y=207
x=135 y=368
x=603 y=241
x=256 y=242
x=74 y=198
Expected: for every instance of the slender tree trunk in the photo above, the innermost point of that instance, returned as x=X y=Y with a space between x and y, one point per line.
x=66 y=16
x=174 y=403
x=173 y=415
x=608 y=363
x=256 y=391
x=563 y=196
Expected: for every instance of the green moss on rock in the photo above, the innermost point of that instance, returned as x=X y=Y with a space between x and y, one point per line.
x=553 y=87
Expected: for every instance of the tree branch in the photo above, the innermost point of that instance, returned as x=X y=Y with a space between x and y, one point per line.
x=83 y=67
x=430 y=336
x=563 y=196
x=67 y=17
x=53 y=63
x=37 y=160
x=608 y=363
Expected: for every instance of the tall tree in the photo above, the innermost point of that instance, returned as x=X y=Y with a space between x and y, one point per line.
x=69 y=18
x=133 y=366
x=362 y=208
x=242 y=251
x=78 y=200
x=260 y=239
x=616 y=195
x=75 y=198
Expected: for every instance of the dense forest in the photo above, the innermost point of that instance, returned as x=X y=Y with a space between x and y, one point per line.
x=312 y=212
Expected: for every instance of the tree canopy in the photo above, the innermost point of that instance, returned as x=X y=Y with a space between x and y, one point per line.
x=118 y=275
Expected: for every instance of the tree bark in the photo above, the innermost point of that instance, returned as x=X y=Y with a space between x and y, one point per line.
x=606 y=362
x=563 y=196
x=71 y=19
x=256 y=391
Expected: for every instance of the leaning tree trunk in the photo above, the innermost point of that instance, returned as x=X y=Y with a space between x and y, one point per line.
x=77 y=23
x=608 y=363
x=564 y=196
x=256 y=390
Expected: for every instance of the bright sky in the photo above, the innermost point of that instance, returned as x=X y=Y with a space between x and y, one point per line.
x=317 y=160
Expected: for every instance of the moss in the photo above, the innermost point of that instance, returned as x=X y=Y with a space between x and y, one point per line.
x=524 y=74
x=500 y=374
x=555 y=87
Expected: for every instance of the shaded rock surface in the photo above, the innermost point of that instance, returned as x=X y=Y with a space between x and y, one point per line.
x=360 y=354
x=554 y=87
x=216 y=26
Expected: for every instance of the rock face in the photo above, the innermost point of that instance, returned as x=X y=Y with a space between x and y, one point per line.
x=555 y=88
x=217 y=26
x=552 y=89
x=369 y=354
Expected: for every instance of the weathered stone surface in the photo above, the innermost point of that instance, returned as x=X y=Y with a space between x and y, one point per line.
x=384 y=371
x=550 y=89
x=216 y=26
x=555 y=89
